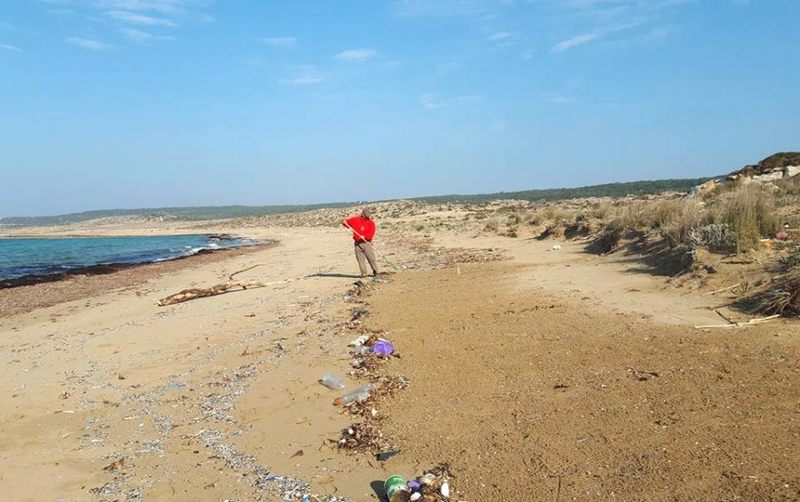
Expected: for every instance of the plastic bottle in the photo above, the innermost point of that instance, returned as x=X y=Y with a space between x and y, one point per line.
x=356 y=395
x=332 y=382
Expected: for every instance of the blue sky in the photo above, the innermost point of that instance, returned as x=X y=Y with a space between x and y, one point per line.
x=142 y=103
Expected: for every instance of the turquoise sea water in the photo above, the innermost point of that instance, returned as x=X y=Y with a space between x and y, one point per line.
x=21 y=257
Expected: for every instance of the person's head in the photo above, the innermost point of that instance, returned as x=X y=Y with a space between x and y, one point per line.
x=366 y=213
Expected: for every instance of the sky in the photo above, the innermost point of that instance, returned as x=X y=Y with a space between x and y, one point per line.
x=146 y=103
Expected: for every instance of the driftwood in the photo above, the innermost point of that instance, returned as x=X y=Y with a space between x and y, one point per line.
x=225 y=287
x=192 y=293
x=751 y=322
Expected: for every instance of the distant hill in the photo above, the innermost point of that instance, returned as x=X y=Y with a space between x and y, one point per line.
x=226 y=212
x=556 y=194
x=172 y=213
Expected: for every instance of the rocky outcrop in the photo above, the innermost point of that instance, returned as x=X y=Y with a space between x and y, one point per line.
x=773 y=168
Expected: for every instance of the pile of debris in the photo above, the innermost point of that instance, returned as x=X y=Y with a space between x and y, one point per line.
x=781 y=296
x=432 y=486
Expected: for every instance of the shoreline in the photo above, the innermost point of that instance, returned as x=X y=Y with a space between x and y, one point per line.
x=100 y=279
x=110 y=268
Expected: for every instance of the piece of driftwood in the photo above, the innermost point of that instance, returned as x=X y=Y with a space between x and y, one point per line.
x=192 y=293
x=225 y=287
x=751 y=322
x=721 y=290
x=731 y=321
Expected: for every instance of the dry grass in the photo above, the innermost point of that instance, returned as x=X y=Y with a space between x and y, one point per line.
x=749 y=212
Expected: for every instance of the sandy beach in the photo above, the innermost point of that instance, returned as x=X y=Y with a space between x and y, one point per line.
x=534 y=373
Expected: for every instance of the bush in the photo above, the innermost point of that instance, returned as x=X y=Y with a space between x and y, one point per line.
x=749 y=212
x=492 y=226
x=716 y=237
x=677 y=219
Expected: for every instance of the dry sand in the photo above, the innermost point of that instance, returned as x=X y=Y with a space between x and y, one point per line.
x=552 y=374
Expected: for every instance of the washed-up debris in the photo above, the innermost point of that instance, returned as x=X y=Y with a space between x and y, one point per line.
x=364 y=437
x=113 y=466
x=357 y=395
x=383 y=347
x=386 y=455
x=333 y=382
x=357 y=314
x=432 y=486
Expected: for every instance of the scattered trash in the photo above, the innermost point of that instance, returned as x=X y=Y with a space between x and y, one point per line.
x=555 y=247
x=357 y=314
x=357 y=395
x=396 y=489
x=432 y=486
x=386 y=455
x=113 y=466
x=782 y=235
x=332 y=382
x=361 y=340
x=383 y=347
x=64 y=395
x=366 y=437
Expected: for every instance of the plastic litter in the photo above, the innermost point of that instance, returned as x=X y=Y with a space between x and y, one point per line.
x=386 y=455
x=361 y=340
x=432 y=486
x=383 y=347
x=396 y=489
x=556 y=247
x=356 y=395
x=332 y=382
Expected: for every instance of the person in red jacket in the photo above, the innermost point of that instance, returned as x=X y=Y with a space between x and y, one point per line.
x=363 y=228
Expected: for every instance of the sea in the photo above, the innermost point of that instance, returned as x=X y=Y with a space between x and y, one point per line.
x=20 y=257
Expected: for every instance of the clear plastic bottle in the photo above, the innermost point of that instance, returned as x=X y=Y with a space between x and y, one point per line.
x=332 y=382
x=356 y=395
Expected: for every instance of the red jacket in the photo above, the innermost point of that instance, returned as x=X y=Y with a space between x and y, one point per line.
x=363 y=226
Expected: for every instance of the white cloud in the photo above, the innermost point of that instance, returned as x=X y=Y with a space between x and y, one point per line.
x=442 y=8
x=499 y=36
x=142 y=37
x=585 y=38
x=280 y=42
x=303 y=80
x=575 y=41
x=305 y=75
x=356 y=55
x=9 y=47
x=657 y=34
x=432 y=101
x=139 y=19
x=89 y=43
x=128 y=17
